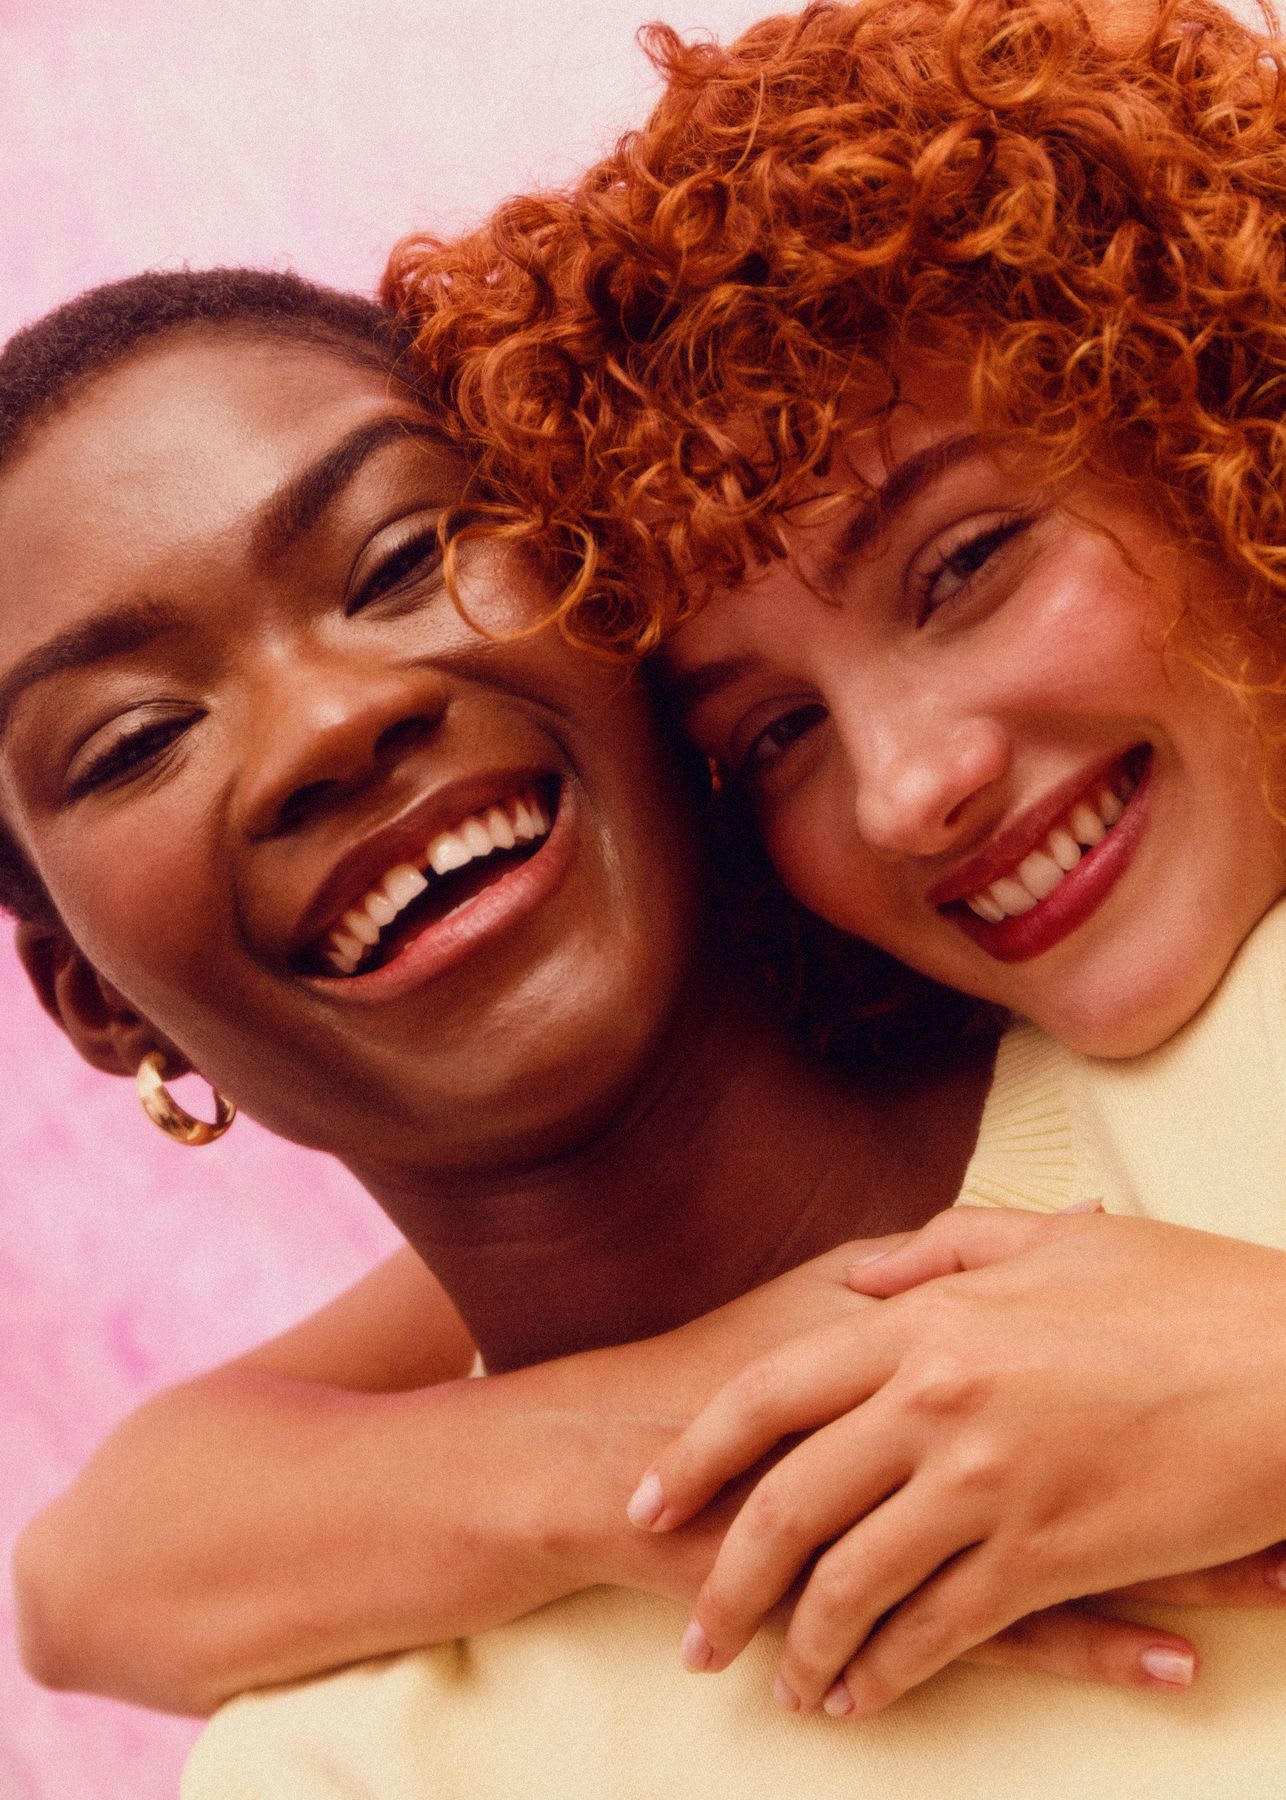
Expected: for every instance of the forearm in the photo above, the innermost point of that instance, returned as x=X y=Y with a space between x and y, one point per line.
x=251 y=1528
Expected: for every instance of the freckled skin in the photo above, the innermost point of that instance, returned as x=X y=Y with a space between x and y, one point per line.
x=900 y=706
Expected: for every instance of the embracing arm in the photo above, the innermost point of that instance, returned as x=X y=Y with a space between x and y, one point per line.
x=341 y=1493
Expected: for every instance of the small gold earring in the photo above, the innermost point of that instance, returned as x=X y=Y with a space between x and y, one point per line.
x=164 y=1110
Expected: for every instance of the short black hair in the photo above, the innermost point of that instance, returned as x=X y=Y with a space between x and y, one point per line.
x=42 y=364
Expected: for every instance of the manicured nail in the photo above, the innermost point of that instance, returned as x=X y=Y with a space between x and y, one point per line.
x=838 y=1701
x=695 y=1648
x=1175 y=1668
x=646 y=1501
x=785 y=1697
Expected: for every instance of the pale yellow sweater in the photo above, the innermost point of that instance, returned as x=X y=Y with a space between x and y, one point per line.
x=586 y=1700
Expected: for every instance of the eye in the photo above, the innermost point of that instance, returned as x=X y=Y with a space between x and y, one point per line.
x=404 y=565
x=776 y=739
x=956 y=562
x=129 y=754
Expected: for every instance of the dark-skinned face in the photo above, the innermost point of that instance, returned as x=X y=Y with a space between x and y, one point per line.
x=250 y=710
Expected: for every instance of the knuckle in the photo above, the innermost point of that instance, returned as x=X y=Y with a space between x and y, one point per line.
x=833 y=1591
x=769 y=1517
x=754 y=1393
x=942 y=1384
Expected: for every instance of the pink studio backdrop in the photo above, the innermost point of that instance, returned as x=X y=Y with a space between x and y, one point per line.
x=305 y=134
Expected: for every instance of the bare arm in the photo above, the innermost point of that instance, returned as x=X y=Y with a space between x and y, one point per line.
x=341 y=1493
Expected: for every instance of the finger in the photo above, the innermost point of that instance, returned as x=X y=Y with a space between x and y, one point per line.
x=963 y=1237
x=948 y=1618
x=1068 y=1641
x=1251 y=1581
x=804 y=1384
x=816 y=1492
x=871 y=1569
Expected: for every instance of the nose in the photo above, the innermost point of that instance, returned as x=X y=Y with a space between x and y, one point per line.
x=923 y=783
x=320 y=728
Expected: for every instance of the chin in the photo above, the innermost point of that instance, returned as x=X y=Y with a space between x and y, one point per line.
x=1125 y=1018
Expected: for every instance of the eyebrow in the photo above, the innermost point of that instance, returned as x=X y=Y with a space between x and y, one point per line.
x=684 y=690
x=905 y=484
x=126 y=628
x=285 y=517
x=296 y=506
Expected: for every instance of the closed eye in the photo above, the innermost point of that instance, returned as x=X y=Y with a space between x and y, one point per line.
x=129 y=755
x=408 y=563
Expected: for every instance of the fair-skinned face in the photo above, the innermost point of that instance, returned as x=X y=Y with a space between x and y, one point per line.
x=239 y=699
x=965 y=744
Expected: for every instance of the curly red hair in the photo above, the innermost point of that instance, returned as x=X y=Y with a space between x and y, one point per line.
x=1081 y=204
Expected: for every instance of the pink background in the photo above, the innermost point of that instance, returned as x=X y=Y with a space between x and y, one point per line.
x=305 y=133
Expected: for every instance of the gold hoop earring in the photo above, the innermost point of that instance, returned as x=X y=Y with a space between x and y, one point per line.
x=164 y=1110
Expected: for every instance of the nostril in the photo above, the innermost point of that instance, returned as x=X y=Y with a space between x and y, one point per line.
x=299 y=806
x=405 y=734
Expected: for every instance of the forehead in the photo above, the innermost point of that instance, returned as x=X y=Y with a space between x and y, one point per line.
x=166 y=456
x=202 y=415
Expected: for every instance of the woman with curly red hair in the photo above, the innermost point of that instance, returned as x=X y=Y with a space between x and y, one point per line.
x=916 y=376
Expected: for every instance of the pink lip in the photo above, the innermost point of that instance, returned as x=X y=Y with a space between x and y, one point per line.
x=404 y=839
x=1080 y=893
x=444 y=944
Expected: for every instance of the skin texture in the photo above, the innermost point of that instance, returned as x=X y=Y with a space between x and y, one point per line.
x=973 y=646
x=575 y=1109
x=920 y=678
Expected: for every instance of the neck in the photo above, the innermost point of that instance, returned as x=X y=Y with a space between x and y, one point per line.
x=735 y=1158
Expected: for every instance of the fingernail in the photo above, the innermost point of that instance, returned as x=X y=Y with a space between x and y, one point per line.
x=695 y=1648
x=646 y=1501
x=785 y=1697
x=1175 y=1668
x=875 y=1256
x=1082 y=1206
x=838 y=1701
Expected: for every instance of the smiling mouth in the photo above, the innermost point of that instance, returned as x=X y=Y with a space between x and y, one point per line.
x=1067 y=874
x=457 y=865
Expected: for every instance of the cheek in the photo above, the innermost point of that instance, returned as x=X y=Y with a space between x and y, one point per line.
x=819 y=857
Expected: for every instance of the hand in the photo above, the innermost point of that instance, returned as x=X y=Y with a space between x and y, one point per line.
x=1068 y=1405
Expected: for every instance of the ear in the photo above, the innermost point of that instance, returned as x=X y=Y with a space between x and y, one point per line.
x=100 y=1022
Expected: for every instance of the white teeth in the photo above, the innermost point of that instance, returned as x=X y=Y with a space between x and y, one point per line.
x=476 y=837
x=986 y=908
x=1039 y=874
x=1011 y=895
x=360 y=924
x=1064 y=849
x=404 y=884
x=448 y=851
x=1087 y=827
x=1042 y=870
x=502 y=832
x=498 y=828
